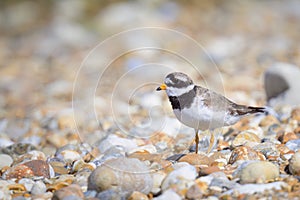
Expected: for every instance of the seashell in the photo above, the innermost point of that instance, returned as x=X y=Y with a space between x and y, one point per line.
x=29 y=169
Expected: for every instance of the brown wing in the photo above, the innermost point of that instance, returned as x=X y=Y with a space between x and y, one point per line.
x=218 y=102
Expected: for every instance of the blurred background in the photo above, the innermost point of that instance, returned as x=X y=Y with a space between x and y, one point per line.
x=44 y=43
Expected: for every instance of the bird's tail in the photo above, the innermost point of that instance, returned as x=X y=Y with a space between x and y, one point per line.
x=267 y=110
x=253 y=109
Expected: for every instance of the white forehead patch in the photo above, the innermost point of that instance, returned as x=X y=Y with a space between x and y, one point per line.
x=171 y=91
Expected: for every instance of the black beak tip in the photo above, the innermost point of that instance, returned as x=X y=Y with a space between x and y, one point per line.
x=158 y=89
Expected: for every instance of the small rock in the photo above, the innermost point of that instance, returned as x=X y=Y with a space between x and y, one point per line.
x=31 y=155
x=111 y=194
x=196 y=159
x=184 y=173
x=268 y=121
x=138 y=196
x=59 y=166
x=38 y=188
x=113 y=140
x=57 y=140
x=296 y=114
x=158 y=178
x=194 y=192
x=259 y=172
x=70 y=192
x=5 y=160
x=293 y=145
x=17 y=149
x=257 y=188
x=125 y=175
x=168 y=194
x=28 y=183
x=282 y=84
x=209 y=170
x=268 y=149
x=294 y=165
x=287 y=136
x=246 y=138
x=245 y=153
x=222 y=183
x=69 y=156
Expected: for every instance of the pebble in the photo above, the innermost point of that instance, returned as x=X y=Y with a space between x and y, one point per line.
x=138 y=196
x=293 y=145
x=258 y=172
x=68 y=156
x=38 y=122
x=287 y=136
x=194 y=192
x=158 y=178
x=17 y=149
x=5 y=160
x=268 y=149
x=70 y=192
x=281 y=84
x=196 y=159
x=183 y=173
x=294 y=165
x=257 y=188
x=168 y=194
x=113 y=140
x=245 y=138
x=28 y=183
x=111 y=194
x=38 y=188
x=124 y=175
x=222 y=183
x=245 y=153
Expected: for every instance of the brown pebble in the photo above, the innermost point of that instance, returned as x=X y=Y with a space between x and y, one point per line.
x=142 y=156
x=196 y=159
x=138 y=196
x=245 y=138
x=296 y=114
x=194 y=192
x=209 y=170
x=245 y=153
x=287 y=136
x=71 y=190
x=268 y=120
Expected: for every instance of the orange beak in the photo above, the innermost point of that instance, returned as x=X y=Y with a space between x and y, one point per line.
x=161 y=87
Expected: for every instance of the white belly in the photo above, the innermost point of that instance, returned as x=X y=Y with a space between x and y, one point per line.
x=201 y=118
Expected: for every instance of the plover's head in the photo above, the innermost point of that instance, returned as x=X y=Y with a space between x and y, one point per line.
x=176 y=84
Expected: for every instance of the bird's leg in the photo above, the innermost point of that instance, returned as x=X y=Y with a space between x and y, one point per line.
x=211 y=141
x=196 y=140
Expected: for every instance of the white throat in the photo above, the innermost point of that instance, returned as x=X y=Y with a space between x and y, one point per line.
x=172 y=91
